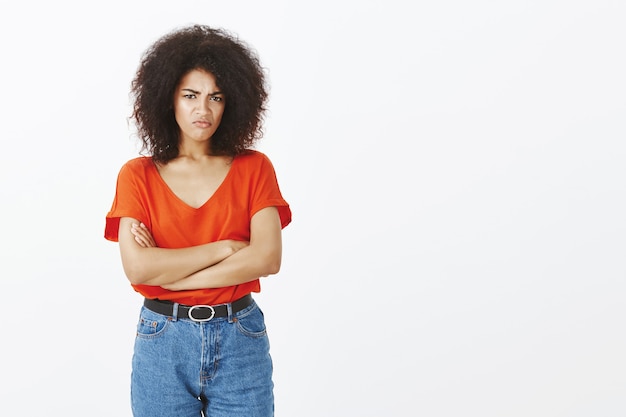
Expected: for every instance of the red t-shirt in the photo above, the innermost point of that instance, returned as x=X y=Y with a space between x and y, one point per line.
x=141 y=193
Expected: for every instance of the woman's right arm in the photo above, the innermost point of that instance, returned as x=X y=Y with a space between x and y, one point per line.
x=144 y=263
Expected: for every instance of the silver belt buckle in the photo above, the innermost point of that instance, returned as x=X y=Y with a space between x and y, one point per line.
x=191 y=317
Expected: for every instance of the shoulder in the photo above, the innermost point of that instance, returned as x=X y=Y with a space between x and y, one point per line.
x=139 y=164
x=139 y=168
x=252 y=157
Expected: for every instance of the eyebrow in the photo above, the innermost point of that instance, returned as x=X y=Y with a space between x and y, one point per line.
x=198 y=92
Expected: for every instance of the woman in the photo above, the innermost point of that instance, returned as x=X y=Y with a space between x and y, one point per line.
x=198 y=222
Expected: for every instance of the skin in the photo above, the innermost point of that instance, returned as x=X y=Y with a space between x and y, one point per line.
x=194 y=176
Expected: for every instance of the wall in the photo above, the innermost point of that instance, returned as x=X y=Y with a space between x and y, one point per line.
x=456 y=173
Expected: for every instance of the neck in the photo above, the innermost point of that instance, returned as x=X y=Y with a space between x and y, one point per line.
x=194 y=150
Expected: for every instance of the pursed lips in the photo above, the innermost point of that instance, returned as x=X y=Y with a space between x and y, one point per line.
x=202 y=123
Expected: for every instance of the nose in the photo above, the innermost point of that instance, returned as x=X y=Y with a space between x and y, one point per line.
x=203 y=107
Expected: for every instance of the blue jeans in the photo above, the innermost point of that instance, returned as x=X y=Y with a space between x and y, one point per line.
x=219 y=368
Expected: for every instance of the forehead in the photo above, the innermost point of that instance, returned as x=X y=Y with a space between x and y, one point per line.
x=199 y=80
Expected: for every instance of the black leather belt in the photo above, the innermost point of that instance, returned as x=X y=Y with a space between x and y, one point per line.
x=200 y=312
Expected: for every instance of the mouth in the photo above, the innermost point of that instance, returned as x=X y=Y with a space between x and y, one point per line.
x=204 y=124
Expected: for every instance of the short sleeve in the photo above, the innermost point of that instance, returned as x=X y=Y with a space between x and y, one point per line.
x=127 y=201
x=266 y=192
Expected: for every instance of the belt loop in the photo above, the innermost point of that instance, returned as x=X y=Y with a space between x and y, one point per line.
x=175 y=311
x=229 y=308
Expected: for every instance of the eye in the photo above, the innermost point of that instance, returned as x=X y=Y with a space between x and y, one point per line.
x=217 y=99
x=189 y=96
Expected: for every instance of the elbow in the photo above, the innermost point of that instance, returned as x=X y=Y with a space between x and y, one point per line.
x=272 y=264
x=266 y=263
x=135 y=273
x=138 y=270
x=273 y=268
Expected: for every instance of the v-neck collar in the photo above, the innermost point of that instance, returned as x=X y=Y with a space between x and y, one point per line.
x=178 y=199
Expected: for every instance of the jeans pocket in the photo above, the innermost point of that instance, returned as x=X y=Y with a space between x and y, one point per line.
x=151 y=324
x=252 y=323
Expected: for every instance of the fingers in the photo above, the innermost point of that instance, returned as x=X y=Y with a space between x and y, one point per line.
x=142 y=235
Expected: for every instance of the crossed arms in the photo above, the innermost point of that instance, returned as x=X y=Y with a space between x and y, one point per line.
x=212 y=265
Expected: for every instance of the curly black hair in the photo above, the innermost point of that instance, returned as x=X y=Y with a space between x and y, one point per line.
x=238 y=74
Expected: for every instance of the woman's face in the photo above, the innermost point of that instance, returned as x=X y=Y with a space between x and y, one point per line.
x=198 y=106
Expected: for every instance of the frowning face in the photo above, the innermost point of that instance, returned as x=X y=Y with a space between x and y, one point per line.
x=198 y=106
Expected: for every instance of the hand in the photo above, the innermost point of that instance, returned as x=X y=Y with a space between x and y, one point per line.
x=142 y=235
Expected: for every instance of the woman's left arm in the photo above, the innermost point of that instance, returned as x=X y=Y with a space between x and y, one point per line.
x=262 y=257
